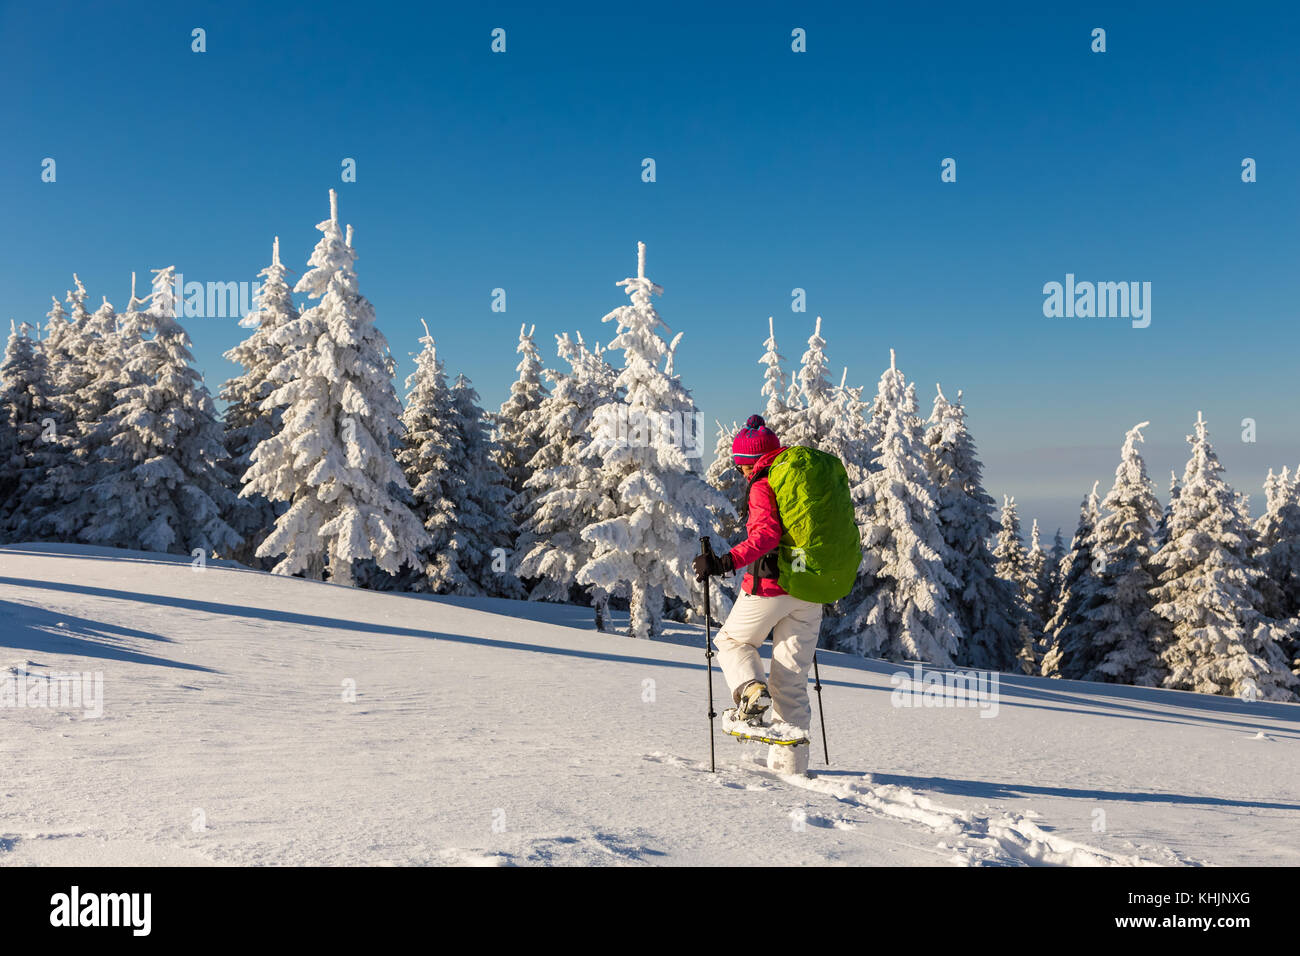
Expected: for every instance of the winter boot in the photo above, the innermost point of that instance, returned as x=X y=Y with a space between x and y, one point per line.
x=752 y=701
x=788 y=759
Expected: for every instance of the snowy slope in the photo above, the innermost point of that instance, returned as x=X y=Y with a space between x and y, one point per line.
x=496 y=732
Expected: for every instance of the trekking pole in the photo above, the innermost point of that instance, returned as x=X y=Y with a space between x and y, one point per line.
x=817 y=678
x=707 y=549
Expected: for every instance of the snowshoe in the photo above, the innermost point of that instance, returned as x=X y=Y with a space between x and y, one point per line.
x=778 y=734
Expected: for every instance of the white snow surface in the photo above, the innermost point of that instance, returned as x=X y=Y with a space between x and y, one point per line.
x=494 y=732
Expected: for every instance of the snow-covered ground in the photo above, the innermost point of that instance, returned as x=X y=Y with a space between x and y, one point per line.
x=497 y=732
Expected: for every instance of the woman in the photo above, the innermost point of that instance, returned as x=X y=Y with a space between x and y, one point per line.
x=764 y=607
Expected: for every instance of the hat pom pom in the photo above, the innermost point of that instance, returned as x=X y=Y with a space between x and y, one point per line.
x=755 y=421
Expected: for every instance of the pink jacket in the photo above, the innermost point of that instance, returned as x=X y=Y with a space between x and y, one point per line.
x=764 y=529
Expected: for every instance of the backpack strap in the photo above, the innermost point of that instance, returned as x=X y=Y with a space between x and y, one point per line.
x=766 y=567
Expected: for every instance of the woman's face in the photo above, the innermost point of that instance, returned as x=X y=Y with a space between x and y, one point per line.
x=746 y=470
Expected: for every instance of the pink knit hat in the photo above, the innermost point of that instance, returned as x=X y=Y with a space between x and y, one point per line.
x=753 y=441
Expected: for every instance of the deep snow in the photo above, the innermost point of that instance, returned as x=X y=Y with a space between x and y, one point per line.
x=500 y=732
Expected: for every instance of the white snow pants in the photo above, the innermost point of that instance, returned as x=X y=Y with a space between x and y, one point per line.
x=796 y=623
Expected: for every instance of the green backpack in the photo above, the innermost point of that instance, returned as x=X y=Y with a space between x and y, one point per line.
x=821 y=531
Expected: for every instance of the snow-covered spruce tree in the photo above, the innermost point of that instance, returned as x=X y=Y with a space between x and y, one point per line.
x=24 y=404
x=850 y=437
x=1013 y=567
x=728 y=523
x=433 y=459
x=165 y=487
x=687 y=427
x=1208 y=591
x=727 y=479
x=64 y=478
x=518 y=425
x=1278 y=536
x=1049 y=590
x=88 y=389
x=568 y=488
x=58 y=335
x=1009 y=551
x=332 y=460
x=1049 y=584
x=485 y=533
x=663 y=502
x=1035 y=573
x=62 y=361
x=1162 y=529
x=8 y=451
x=65 y=348
x=982 y=601
x=851 y=440
x=838 y=629
x=902 y=607
x=777 y=413
x=1071 y=629
x=247 y=422
x=813 y=404
x=1129 y=637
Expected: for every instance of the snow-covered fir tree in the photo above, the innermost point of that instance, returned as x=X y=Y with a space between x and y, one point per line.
x=1071 y=629
x=727 y=479
x=87 y=390
x=132 y=327
x=1162 y=529
x=247 y=422
x=25 y=408
x=485 y=533
x=65 y=348
x=1035 y=575
x=64 y=477
x=1049 y=584
x=1009 y=551
x=332 y=461
x=663 y=502
x=8 y=477
x=1129 y=636
x=1208 y=591
x=434 y=461
x=58 y=331
x=982 y=600
x=851 y=438
x=165 y=486
x=61 y=366
x=777 y=413
x=812 y=400
x=728 y=523
x=902 y=607
x=1278 y=537
x=1013 y=567
x=569 y=492
x=519 y=425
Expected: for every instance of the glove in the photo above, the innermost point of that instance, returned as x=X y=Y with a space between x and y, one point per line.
x=709 y=564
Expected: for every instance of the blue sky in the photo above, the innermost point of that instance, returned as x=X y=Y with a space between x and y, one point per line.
x=775 y=170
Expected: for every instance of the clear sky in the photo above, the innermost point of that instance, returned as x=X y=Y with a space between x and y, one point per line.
x=775 y=170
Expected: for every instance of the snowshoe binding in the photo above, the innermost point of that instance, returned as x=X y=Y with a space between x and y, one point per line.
x=752 y=702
